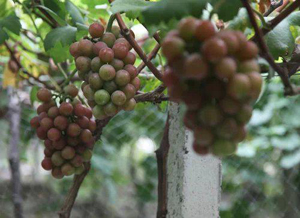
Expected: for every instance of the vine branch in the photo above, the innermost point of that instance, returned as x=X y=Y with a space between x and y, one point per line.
x=289 y=90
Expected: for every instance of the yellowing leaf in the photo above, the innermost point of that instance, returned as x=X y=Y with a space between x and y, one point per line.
x=9 y=78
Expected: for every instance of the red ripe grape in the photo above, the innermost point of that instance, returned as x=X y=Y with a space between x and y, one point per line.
x=239 y=86
x=77 y=161
x=66 y=109
x=83 y=64
x=230 y=39
x=170 y=78
x=225 y=68
x=47 y=164
x=88 y=92
x=73 y=130
x=74 y=51
x=41 y=133
x=129 y=90
x=131 y=70
x=123 y=40
x=79 y=110
x=83 y=122
x=96 y=30
x=136 y=82
x=48 y=152
x=48 y=144
x=214 y=49
x=85 y=46
x=187 y=28
x=173 y=47
x=42 y=116
x=241 y=134
x=92 y=125
x=120 y=50
x=61 y=122
x=71 y=90
x=98 y=46
x=88 y=113
x=60 y=144
x=256 y=84
x=204 y=30
x=41 y=108
x=122 y=78
x=195 y=67
x=248 y=51
x=106 y=55
x=46 y=123
x=44 y=95
x=200 y=149
x=86 y=135
x=56 y=173
x=54 y=134
x=34 y=122
x=229 y=105
x=53 y=112
x=129 y=59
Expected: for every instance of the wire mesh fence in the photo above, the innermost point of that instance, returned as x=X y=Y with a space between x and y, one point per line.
x=262 y=180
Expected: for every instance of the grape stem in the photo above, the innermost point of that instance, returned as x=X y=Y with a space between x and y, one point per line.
x=68 y=79
x=289 y=89
x=110 y=23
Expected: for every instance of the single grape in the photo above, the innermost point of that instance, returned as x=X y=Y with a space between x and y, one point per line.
x=131 y=70
x=120 y=50
x=110 y=86
x=98 y=112
x=86 y=136
x=129 y=90
x=48 y=144
x=47 y=164
x=42 y=116
x=239 y=86
x=248 y=51
x=53 y=112
x=77 y=161
x=96 y=30
x=60 y=144
x=241 y=134
x=227 y=129
x=107 y=72
x=83 y=64
x=136 y=82
x=229 y=105
x=87 y=155
x=34 y=122
x=88 y=92
x=210 y=115
x=79 y=110
x=74 y=51
x=173 y=47
x=109 y=39
x=110 y=109
x=122 y=78
x=88 y=113
x=96 y=64
x=61 y=123
x=48 y=152
x=65 y=109
x=204 y=30
x=54 y=134
x=97 y=47
x=214 y=49
x=187 y=28
x=83 y=122
x=85 y=46
x=117 y=64
x=225 y=68
x=46 y=123
x=106 y=55
x=79 y=170
x=123 y=40
x=57 y=159
x=95 y=81
x=68 y=153
x=256 y=84
x=195 y=67
x=73 y=130
x=44 y=95
x=102 y=97
x=130 y=58
x=67 y=169
x=118 y=98
x=92 y=125
x=200 y=149
x=248 y=66
x=129 y=105
x=56 y=173
x=71 y=90
x=244 y=114
x=230 y=39
x=41 y=133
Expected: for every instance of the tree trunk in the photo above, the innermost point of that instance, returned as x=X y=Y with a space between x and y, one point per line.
x=14 y=117
x=193 y=181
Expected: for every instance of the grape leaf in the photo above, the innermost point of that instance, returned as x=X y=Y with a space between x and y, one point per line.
x=240 y=22
x=9 y=23
x=82 y=30
x=57 y=6
x=59 y=52
x=57 y=18
x=74 y=12
x=226 y=9
x=66 y=35
x=280 y=40
x=133 y=7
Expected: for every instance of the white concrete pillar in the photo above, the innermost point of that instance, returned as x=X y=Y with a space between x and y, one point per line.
x=194 y=182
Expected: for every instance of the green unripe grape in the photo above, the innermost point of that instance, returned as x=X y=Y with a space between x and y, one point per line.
x=107 y=72
x=102 y=97
x=110 y=109
x=117 y=64
x=116 y=31
x=129 y=59
x=110 y=86
x=122 y=78
x=118 y=98
x=96 y=64
x=79 y=170
x=109 y=39
x=98 y=112
x=57 y=159
x=248 y=66
x=95 y=81
x=67 y=169
x=88 y=92
x=223 y=147
x=87 y=155
x=239 y=86
x=129 y=105
x=68 y=153
x=244 y=114
x=210 y=115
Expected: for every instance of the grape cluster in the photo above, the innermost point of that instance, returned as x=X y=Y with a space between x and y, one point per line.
x=217 y=76
x=107 y=67
x=67 y=130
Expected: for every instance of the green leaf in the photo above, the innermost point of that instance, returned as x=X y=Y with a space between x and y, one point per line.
x=59 y=52
x=57 y=6
x=166 y=10
x=74 y=12
x=280 y=40
x=33 y=93
x=226 y=9
x=10 y=23
x=240 y=22
x=134 y=7
x=65 y=35
x=82 y=30
x=288 y=161
x=57 y=18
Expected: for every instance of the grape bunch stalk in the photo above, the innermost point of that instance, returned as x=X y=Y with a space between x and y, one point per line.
x=67 y=128
x=217 y=76
x=106 y=65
